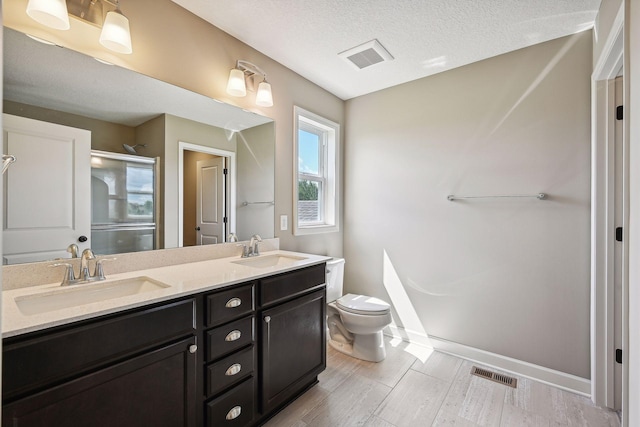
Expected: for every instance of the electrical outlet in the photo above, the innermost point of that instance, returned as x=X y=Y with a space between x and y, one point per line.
x=284 y=222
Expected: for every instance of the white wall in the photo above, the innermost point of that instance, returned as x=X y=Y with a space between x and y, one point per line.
x=506 y=276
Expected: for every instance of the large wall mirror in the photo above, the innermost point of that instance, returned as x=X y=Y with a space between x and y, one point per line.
x=214 y=163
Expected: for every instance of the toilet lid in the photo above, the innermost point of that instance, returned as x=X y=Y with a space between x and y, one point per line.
x=362 y=304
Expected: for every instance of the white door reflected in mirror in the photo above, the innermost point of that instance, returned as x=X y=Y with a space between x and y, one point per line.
x=44 y=215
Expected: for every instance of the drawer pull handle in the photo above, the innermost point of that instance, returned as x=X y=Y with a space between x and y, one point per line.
x=193 y=348
x=233 y=369
x=234 y=413
x=233 y=335
x=233 y=302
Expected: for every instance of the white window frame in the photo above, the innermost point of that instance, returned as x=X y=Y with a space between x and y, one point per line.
x=328 y=172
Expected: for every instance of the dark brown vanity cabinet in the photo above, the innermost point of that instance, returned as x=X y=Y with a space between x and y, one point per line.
x=292 y=334
x=230 y=357
x=132 y=369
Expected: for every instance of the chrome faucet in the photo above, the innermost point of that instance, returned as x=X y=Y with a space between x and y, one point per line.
x=255 y=239
x=252 y=248
x=85 y=277
x=73 y=250
x=87 y=255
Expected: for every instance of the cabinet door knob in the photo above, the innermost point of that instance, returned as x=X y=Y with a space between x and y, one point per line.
x=267 y=319
x=234 y=413
x=193 y=348
x=233 y=370
x=233 y=335
x=233 y=302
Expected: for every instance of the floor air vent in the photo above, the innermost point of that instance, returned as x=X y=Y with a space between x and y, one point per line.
x=494 y=376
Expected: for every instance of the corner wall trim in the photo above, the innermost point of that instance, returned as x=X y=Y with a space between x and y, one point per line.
x=564 y=381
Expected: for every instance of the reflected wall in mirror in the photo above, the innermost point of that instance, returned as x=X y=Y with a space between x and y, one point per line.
x=176 y=127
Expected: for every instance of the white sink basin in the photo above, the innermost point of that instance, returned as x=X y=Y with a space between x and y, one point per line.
x=264 y=261
x=76 y=295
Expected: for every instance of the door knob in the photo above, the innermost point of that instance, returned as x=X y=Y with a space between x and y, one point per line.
x=82 y=239
x=197 y=228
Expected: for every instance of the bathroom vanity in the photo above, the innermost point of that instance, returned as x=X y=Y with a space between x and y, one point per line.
x=231 y=349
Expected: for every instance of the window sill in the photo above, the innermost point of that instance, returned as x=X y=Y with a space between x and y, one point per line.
x=315 y=229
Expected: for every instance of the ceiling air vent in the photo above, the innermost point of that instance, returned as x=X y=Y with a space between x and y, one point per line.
x=366 y=54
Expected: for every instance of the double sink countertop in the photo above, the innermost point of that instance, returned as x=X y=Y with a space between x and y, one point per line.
x=35 y=308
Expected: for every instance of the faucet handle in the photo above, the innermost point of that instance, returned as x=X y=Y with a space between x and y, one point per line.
x=69 y=275
x=245 y=250
x=99 y=272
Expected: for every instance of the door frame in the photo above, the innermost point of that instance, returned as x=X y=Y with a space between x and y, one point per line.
x=602 y=222
x=230 y=186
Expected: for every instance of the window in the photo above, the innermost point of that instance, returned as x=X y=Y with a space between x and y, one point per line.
x=315 y=190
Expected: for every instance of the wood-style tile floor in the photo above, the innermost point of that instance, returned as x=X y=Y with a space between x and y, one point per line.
x=414 y=387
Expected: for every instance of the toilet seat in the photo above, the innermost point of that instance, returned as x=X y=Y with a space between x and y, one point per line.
x=363 y=305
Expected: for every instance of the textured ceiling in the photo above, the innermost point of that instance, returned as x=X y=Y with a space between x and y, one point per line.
x=424 y=36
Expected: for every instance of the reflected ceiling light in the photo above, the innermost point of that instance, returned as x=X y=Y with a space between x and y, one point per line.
x=39 y=40
x=247 y=72
x=52 y=13
x=115 y=34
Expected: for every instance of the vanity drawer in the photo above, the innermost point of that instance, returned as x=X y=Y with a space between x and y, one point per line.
x=227 y=338
x=288 y=285
x=230 y=370
x=235 y=408
x=230 y=304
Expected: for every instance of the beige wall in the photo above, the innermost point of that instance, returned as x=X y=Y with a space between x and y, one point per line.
x=105 y=136
x=175 y=46
x=178 y=130
x=506 y=276
x=255 y=167
x=607 y=14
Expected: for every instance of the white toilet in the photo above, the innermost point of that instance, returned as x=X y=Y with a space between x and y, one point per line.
x=355 y=322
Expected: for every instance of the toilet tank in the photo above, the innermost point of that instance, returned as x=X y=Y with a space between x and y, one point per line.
x=335 y=276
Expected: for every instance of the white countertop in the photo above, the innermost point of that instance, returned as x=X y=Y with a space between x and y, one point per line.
x=183 y=280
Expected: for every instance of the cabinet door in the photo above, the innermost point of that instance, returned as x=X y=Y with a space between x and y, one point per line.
x=293 y=347
x=154 y=389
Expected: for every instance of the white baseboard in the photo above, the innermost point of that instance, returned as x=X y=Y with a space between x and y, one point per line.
x=538 y=373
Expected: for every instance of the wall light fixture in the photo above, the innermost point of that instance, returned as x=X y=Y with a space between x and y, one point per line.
x=115 y=34
x=246 y=72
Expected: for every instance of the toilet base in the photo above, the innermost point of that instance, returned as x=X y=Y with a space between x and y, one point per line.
x=365 y=347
